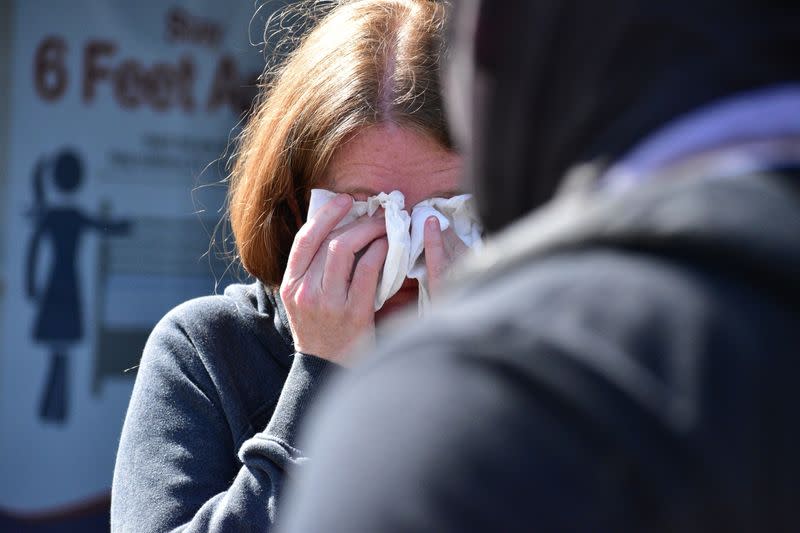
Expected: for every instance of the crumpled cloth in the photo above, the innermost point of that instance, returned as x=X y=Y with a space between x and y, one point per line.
x=405 y=234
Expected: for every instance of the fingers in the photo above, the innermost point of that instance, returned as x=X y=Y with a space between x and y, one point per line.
x=365 y=277
x=378 y=218
x=342 y=251
x=436 y=257
x=313 y=233
x=442 y=249
x=453 y=245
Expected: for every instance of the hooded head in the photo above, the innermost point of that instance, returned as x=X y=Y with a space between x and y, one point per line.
x=537 y=87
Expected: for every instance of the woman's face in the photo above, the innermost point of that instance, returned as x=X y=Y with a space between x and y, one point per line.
x=386 y=158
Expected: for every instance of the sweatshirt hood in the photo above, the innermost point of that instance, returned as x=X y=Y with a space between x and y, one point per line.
x=744 y=226
x=538 y=87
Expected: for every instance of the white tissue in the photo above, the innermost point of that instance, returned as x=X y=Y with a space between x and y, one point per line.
x=458 y=212
x=405 y=234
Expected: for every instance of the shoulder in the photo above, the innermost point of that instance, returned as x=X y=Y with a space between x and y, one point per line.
x=504 y=376
x=242 y=313
x=226 y=346
x=209 y=313
x=609 y=335
x=606 y=331
x=493 y=377
x=572 y=299
x=222 y=332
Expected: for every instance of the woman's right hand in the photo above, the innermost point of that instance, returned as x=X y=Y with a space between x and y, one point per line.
x=329 y=303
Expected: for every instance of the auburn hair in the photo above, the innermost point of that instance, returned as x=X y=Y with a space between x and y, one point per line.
x=364 y=62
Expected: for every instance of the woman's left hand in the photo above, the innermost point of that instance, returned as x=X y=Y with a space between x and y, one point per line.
x=442 y=249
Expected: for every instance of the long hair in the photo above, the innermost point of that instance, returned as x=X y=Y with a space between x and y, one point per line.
x=365 y=62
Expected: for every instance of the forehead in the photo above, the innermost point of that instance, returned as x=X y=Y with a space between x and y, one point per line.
x=388 y=157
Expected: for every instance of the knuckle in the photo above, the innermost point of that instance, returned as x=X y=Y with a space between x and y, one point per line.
x=288 y=288
x=285 y=291
x=303 y=238
x=336 y=246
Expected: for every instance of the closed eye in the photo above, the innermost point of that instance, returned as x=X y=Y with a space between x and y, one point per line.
x=358 y=193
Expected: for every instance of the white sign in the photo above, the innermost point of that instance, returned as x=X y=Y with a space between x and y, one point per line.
x=117 y=109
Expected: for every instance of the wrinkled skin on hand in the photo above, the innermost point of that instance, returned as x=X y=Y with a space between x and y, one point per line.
x=331 y=279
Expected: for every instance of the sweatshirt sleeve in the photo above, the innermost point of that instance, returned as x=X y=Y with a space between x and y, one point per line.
x=177 y=466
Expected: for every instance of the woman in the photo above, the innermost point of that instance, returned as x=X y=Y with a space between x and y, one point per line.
x=59 y=318
x=225 y=380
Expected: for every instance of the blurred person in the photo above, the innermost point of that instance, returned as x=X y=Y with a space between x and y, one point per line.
x=59 y=316
x=624 y=354
x=224 y=381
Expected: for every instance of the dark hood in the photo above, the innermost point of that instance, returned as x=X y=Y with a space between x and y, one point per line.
x=744 y=226
x=547 y=84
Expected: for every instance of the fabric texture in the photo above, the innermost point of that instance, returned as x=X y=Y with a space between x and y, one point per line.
x=405 y=234
x=614 y=362
x=212 y=424
x=636 y=373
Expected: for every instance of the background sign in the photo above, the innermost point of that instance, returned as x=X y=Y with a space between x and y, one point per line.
x=113 y=118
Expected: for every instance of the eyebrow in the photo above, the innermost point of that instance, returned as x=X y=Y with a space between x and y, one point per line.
x=357 y=190
x=446 y=193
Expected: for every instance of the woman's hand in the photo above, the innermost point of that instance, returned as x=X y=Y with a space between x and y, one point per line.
x=330 y=304
x=442 y=249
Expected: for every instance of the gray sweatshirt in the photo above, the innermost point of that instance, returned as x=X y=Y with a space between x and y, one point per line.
x=211 y=426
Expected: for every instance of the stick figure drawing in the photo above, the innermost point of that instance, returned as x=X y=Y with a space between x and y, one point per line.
x=59 y=316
